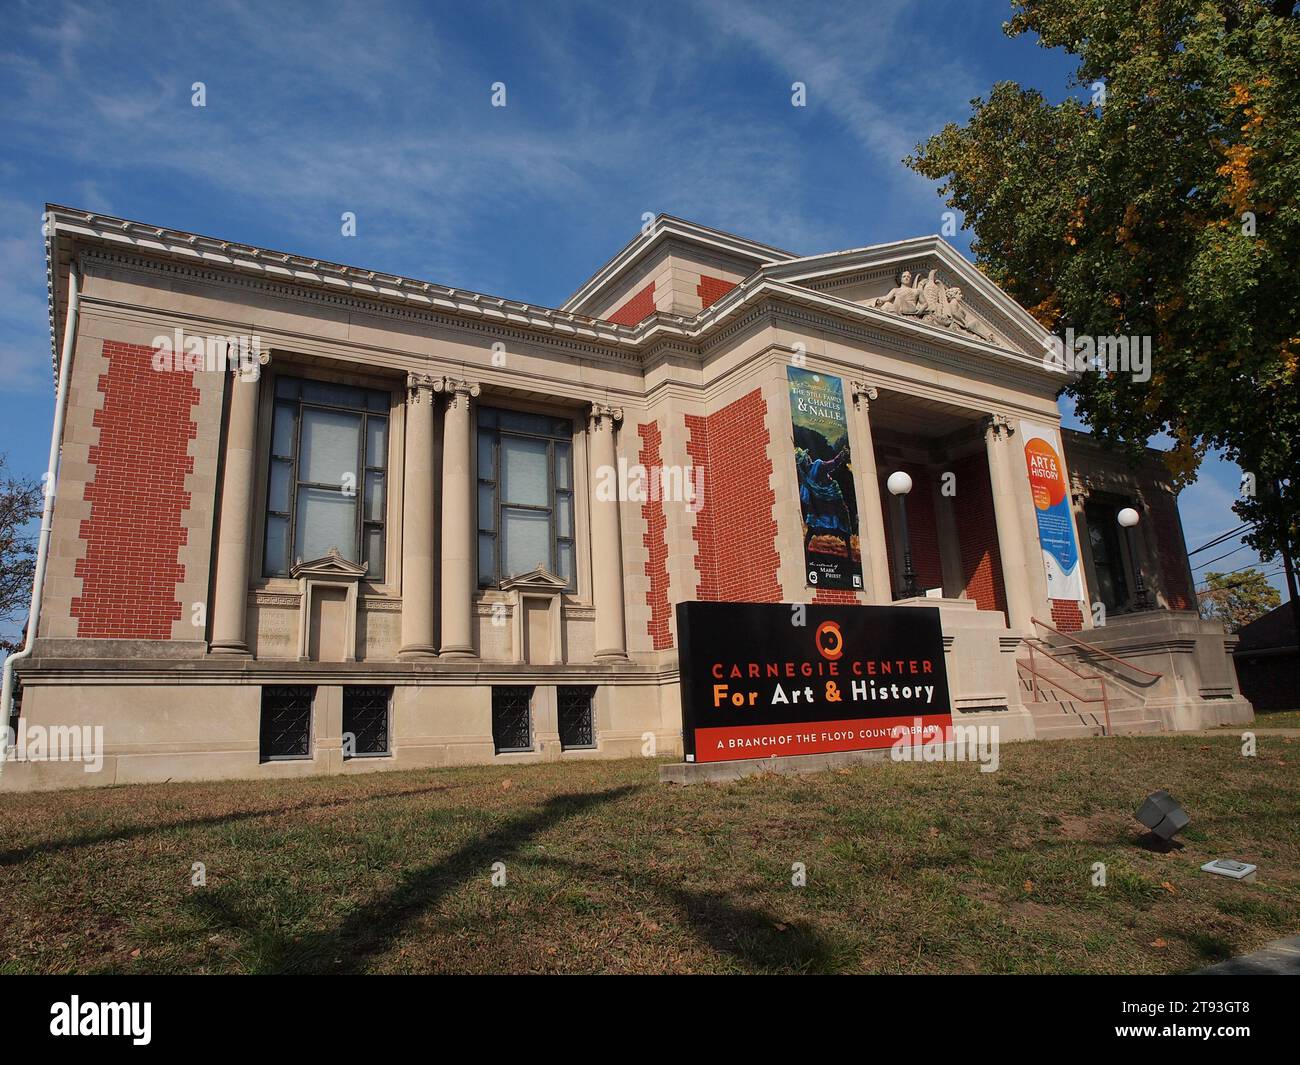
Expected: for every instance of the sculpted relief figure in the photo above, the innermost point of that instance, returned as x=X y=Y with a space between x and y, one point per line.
x=930 y=300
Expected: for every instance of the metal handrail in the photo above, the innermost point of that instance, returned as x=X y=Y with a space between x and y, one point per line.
x=1096 y=650
x=1103 y=698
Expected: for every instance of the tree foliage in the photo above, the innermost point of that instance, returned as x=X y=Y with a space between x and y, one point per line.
x=1160 y=201
x=1237 y=599
x=20 y=502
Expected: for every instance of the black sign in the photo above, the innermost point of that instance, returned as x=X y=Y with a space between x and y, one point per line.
x=766 y=679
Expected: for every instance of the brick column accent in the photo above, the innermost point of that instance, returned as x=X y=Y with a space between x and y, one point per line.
x=230 y=609
x=417 y=521
x=458 y=504
x=876 y=539
x=606 y=541
x=1011 y=542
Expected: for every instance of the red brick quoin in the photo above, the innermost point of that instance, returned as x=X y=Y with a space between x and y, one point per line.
x=712 y=289
x=655 y=540
x=639 y=307
x=134 y=534
x=735 y=531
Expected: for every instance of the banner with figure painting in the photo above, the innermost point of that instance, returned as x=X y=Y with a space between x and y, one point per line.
x=824 y=472
x=1051 y=496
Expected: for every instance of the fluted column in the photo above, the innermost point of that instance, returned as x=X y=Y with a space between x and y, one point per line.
x=234 y=533
x=458 y=571
x=1011 y=542
x=606 y=539
x=417 y=521
x=872 y=518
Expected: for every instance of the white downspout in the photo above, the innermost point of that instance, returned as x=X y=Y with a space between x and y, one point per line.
x=47 y=513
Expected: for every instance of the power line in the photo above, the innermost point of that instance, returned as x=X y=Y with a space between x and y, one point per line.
x=1221 y=557
x=1235 y=584
x=1220 y=539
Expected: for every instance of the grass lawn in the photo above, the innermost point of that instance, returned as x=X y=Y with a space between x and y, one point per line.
x=910 y=868
x=1276 y=719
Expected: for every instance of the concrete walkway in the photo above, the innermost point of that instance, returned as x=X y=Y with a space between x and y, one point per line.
x=1279 y=958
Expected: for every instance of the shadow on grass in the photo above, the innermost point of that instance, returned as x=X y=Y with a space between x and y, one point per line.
x=375 y=925
x=92 y=839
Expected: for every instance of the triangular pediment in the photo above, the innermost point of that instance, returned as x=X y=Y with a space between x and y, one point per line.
x=535 y=580
x=924 y=283
x=332 y=565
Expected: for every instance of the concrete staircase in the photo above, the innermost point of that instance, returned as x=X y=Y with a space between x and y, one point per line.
x=1060 y=709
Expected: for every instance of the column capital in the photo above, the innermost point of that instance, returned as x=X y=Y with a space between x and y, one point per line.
x=999 y=425
x=599 y=413
x=863 y=394
x=421 y=386
x=459 y=392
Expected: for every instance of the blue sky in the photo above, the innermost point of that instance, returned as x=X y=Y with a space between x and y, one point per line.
x=383 y=109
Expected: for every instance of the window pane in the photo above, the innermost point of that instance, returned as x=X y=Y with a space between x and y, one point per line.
x=335 y=395
x=277 y=546
x=564 y=550
x=374 y=497
x=526 y=423
x=375 y=552
x=378 y=401
x=487 y=466
x=376 y=441
x=330 y=445
x=277 y=494
x=325 y=519
x=563 y=468
x=287 y=387
x=526 y=540
x=487 y=499
x=523 y=472
x=563 y=515
x=487 y=560
x=282 y=431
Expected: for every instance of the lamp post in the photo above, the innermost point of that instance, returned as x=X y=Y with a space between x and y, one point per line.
x=1128 y=519
x=899 y=484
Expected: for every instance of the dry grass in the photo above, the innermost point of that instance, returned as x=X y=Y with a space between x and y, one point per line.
x=911 y=868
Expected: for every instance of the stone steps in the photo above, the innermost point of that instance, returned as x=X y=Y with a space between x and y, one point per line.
x=1059 y=714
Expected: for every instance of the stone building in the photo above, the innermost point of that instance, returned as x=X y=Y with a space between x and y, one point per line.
x=416 y=525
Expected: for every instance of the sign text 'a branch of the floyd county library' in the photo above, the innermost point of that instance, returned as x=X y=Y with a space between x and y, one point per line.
x=756 y=684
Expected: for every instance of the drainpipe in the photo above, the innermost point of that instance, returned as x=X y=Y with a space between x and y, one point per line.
x=47 y=513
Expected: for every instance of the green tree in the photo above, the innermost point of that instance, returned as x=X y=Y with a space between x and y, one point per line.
x=1239 y=598
x=20 y=502
x=1160 y=200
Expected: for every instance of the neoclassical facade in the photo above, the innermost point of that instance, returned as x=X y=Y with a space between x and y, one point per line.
x=312 y=518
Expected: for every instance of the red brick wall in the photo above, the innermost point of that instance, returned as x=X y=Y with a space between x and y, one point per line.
x=1067 y=615
x=836 y=597
x=134 y=533
x=923 y=527
x=639 y=307
x=656 y=543
x=977 y=534
x=1172 y=551
x=735 y=531
x=712 y=289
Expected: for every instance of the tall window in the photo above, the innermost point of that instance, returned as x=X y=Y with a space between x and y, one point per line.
x=1107 y=555
x=327 y=485
x=525 y=495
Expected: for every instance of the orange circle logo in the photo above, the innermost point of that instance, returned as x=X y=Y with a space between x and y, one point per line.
x=1045 y=479
x=829 y=639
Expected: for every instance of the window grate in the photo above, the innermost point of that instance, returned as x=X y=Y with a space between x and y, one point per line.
x=365 y=721
x=512 y=719
x=286 y=722
x=577 y=716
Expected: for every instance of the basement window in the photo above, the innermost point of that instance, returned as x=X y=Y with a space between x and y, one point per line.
x=286 y=723
x=577 y=716
x=512 y=718
x=365 y=721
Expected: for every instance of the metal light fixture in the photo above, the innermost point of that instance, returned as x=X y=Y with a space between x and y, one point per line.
x=1128 y=519
x=1162 y=813
x=899 y=484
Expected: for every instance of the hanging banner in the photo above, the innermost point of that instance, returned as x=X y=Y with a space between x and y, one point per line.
x=824 y=471
x=1052 y=508
x=762 y=680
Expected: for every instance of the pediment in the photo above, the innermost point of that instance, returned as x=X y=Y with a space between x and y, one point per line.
x=333 y=566
x=535 y=580
x=925 y=283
